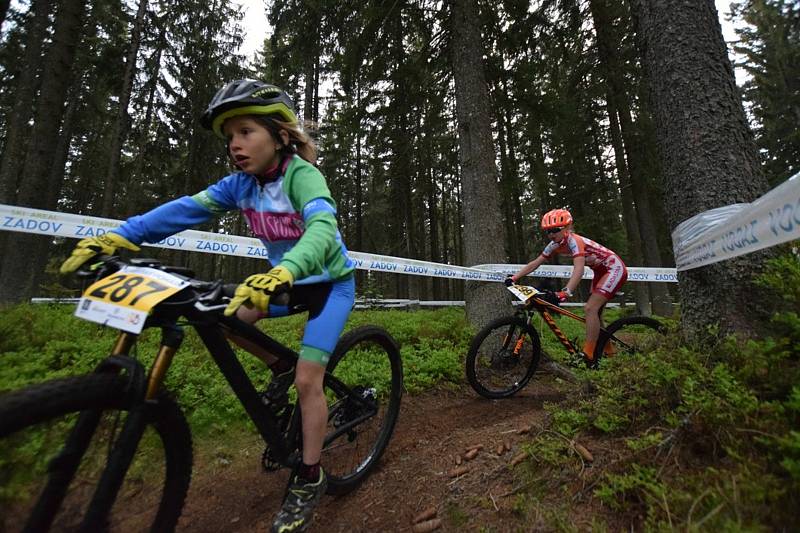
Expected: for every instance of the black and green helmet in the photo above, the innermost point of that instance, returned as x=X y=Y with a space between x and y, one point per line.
x=247 y=97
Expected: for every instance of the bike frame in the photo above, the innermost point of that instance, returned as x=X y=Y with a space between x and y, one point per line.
x=211 y=330
x=545 y=308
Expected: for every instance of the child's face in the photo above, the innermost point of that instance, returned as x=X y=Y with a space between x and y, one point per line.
x=251 y=146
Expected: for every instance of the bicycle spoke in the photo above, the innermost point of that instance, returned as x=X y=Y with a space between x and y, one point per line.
x=502 y=358
x=361 y=414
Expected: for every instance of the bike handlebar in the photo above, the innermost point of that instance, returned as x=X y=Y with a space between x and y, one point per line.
x=209 y=295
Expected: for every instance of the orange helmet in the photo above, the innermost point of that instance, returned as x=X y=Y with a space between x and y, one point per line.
x=557 y=218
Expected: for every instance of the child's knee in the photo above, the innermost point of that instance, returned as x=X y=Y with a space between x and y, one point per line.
x=591 y=309
x=308 y=382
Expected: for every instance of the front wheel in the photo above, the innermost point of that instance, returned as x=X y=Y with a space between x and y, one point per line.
x=503 y=357
x=58 y=441
x=363 y=394
x=629 y=335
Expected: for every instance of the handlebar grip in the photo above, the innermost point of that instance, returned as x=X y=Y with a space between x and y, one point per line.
x=229 y=289
x=281 y=299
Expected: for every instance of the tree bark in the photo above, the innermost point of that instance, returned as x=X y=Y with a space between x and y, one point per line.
x=482 y=227
x=122 y=122
x=612 y=74
x=3 y=10
x=706 y=148
x=17 y=132
x=36 y=191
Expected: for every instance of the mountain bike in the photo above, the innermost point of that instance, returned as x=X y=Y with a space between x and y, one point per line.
x=504 y=355
x=84 y=448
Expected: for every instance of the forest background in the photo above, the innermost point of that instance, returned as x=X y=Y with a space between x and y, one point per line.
x=99 y=107
x=624 y=111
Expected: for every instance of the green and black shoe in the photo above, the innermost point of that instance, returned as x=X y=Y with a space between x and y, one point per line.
x=299 y=504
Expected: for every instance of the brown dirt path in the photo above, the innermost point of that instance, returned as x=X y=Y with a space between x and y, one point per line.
x=234 y=494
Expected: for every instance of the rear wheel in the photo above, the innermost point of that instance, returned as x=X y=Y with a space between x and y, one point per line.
x=363 y=405
x=629 y=335
x=503 y=357
x=56 y=441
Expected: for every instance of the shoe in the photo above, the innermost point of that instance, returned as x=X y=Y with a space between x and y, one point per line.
x=299 y=504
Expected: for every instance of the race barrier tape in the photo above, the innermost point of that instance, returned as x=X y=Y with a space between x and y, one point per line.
x=738 y=229
x=55 y=224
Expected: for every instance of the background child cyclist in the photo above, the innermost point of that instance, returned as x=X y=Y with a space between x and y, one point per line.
x=609 y=270
x=287 y=204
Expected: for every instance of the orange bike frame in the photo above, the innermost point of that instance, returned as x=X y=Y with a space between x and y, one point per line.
x=545 y=308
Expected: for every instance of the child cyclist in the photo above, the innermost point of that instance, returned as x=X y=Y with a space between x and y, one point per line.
x=287 y=204
x=609 y=270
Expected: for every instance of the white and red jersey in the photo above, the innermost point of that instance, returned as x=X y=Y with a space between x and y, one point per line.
x=598 y=257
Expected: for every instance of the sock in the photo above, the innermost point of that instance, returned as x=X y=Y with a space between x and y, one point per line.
x=308 y=473
x=588 y=348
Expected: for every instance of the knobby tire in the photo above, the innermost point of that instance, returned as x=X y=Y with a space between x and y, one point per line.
x=349 y=458
x=106 y=392
x=493 y=370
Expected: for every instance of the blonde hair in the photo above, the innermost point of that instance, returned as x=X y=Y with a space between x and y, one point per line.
x=299 y=141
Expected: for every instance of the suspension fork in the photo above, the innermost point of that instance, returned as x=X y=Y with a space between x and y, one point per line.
x=64 y=465
x=520 y=340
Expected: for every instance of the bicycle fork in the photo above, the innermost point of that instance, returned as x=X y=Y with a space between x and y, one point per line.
x=62 y=467
x=517 y=344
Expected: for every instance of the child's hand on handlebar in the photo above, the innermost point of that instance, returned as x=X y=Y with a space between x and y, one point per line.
x=256 y=290
x=105 y=244
x=564 y=294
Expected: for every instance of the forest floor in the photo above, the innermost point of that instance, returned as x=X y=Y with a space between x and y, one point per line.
x=416 y=474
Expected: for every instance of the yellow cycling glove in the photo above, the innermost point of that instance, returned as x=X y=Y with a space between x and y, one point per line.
x=257 y=289
x=87 y=248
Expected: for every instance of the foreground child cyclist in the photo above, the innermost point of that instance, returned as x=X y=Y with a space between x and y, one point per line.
x=609 y=270
x=288 y=206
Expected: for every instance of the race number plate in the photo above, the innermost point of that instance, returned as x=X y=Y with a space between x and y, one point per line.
x=123 y=299
x=523 y=292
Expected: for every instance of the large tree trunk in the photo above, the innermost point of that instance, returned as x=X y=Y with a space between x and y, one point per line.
x=19 y=272
x=482 y=227
x=708 y=155
x=121 y=124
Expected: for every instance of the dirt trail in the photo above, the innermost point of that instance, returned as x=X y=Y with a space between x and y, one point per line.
x=413 y=475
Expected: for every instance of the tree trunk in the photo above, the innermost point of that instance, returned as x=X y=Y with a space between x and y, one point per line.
x=17 y=130
x=482 y=227
x=19 y=274
x=121 y=124
x=706 y=148
x=641 y=294
x=612 y=73
x=3 y=10
x=135 y=198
